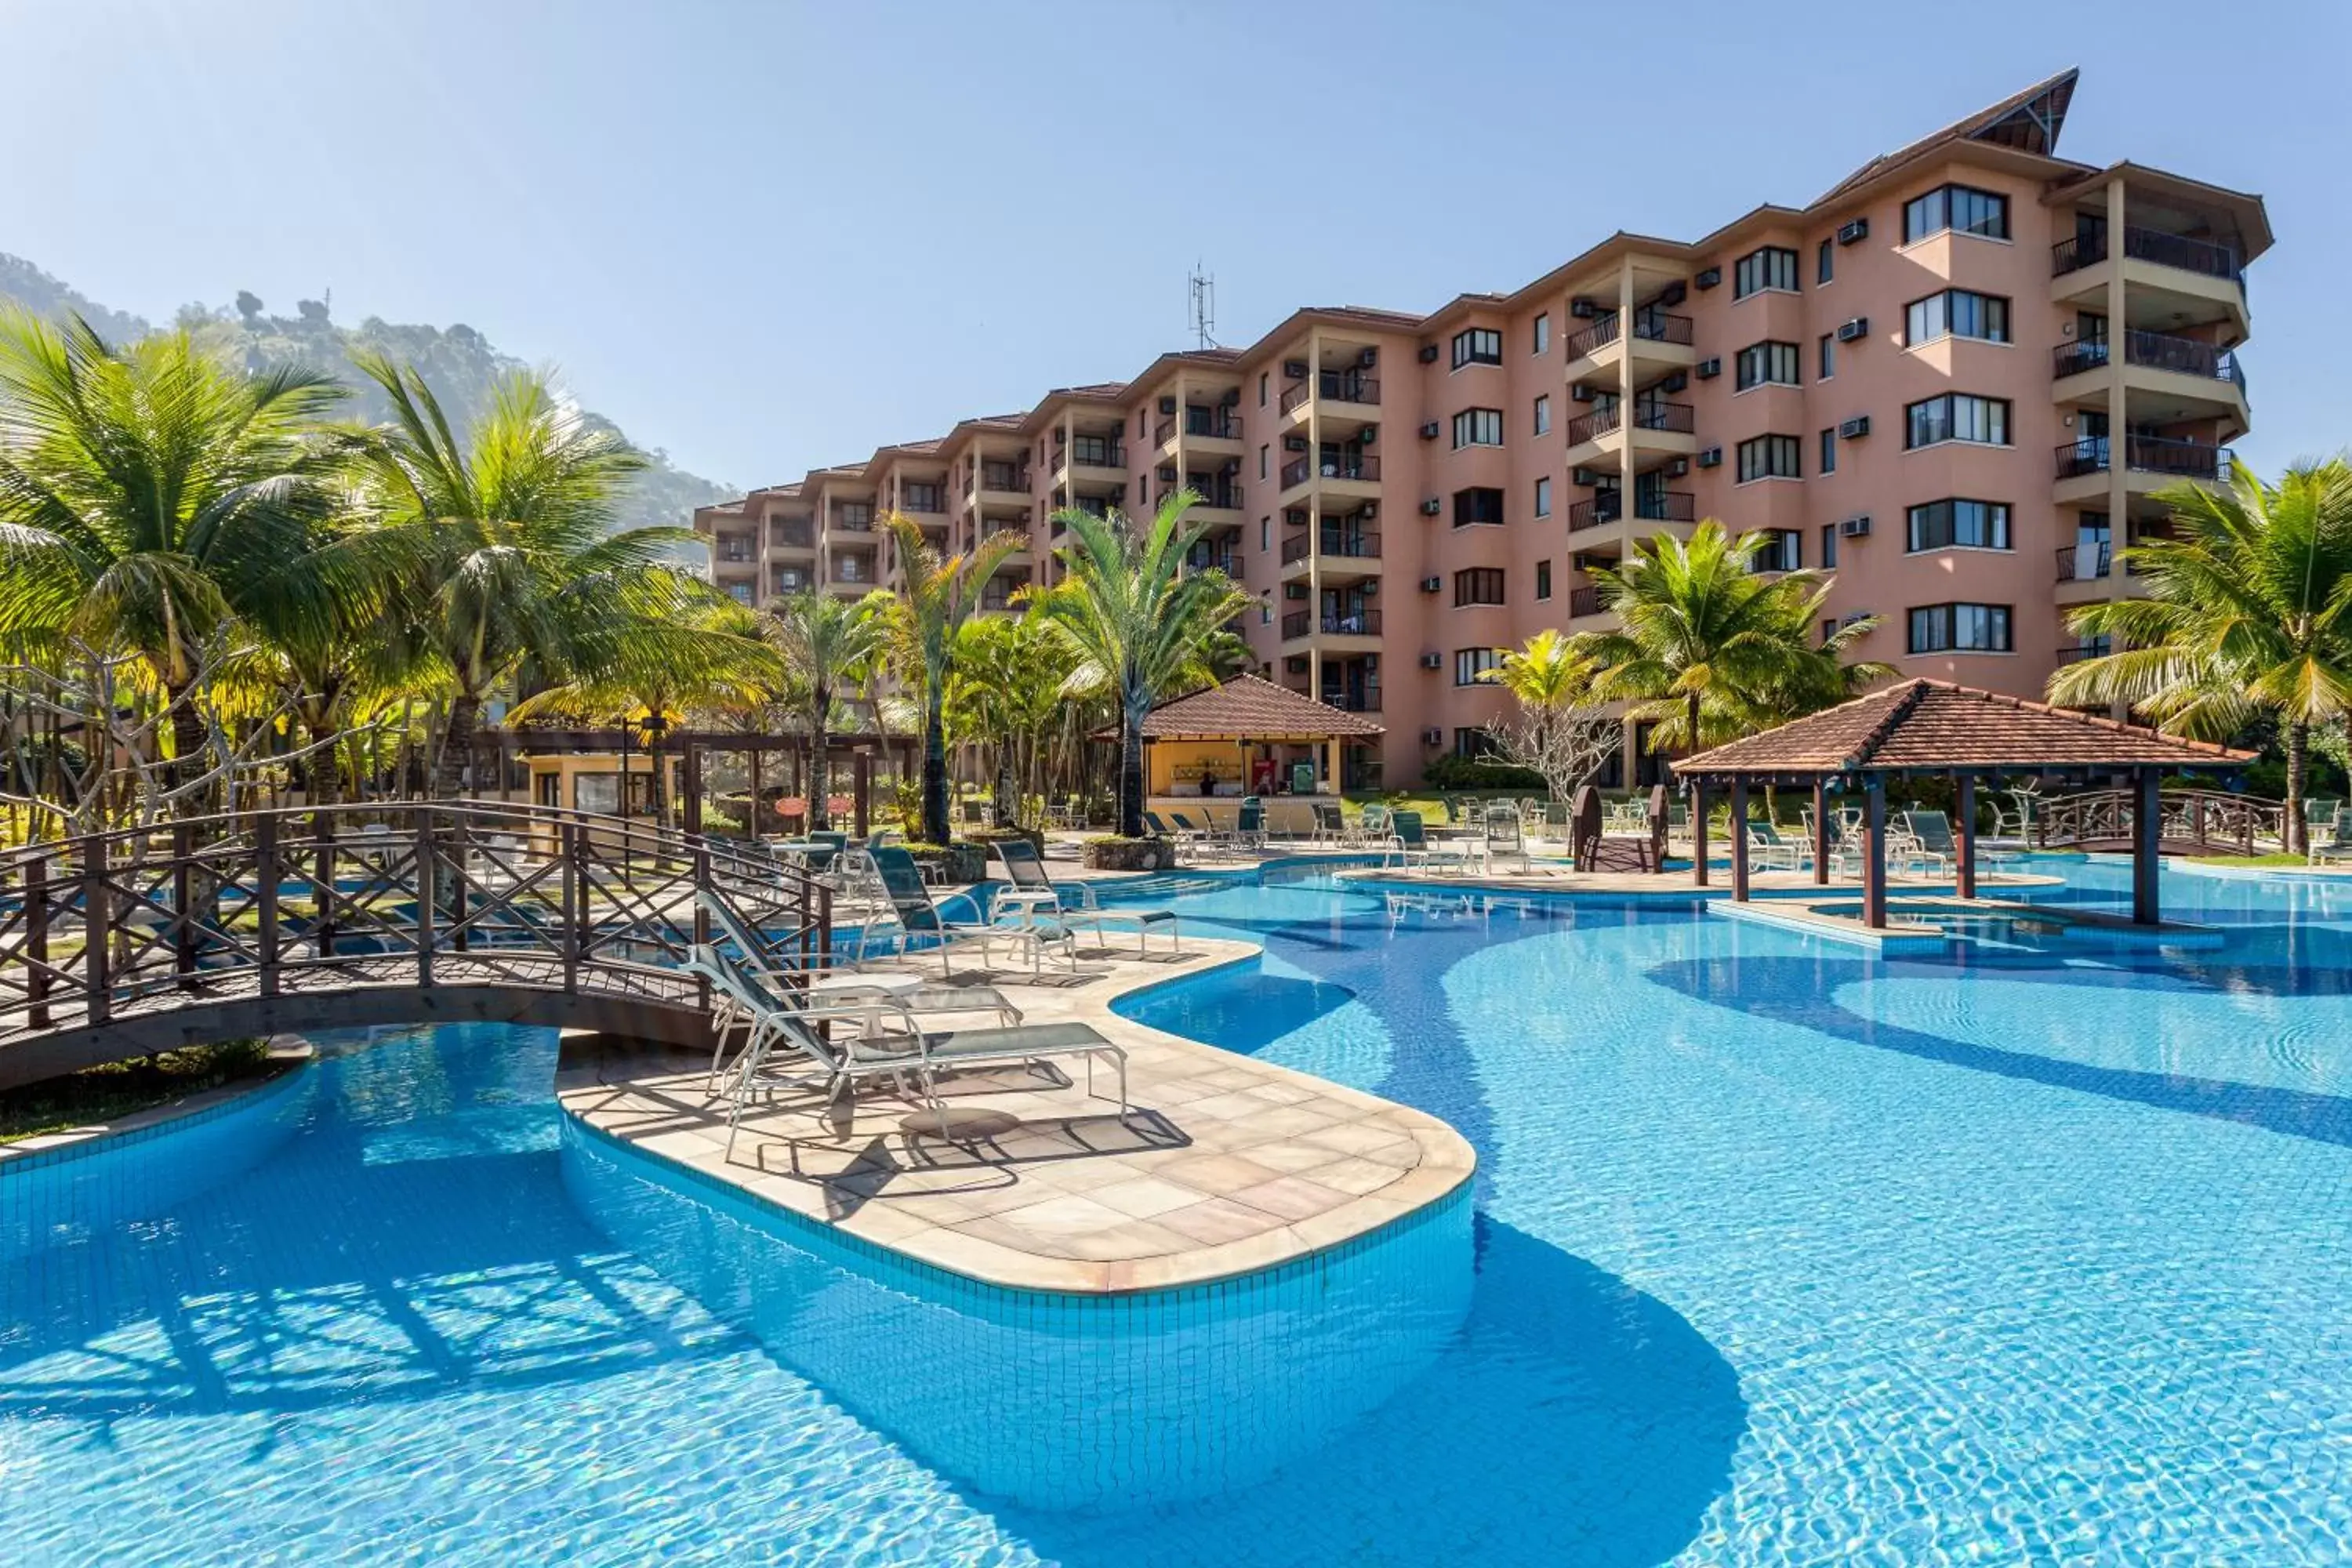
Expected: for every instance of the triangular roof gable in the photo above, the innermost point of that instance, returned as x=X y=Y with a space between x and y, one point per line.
x=1249 y=707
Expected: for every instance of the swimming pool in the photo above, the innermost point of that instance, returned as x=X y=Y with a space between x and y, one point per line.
x=1783 y=1254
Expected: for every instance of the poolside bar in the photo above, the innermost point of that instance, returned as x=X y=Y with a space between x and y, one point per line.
x=1248 y=736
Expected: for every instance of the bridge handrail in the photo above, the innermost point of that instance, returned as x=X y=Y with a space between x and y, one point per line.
x=2202 y=817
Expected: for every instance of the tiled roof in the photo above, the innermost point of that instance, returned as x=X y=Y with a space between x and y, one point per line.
x=1249 y=708
x=1987 y=125
x=1931 y=725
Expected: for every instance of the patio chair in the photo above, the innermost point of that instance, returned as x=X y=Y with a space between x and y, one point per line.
x=2336 y=845
x=1208 y=836
x=1503 y=838
x=918 y=916
x=1768 y=851
x=1408 y=843
x=1927 y=841
x=1034 y=889
x=1330 y=823
x=1249 y=825
x=1187 y=842
x=1373 y=826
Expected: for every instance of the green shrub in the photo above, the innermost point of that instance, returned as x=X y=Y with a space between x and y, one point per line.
x=1466 y=772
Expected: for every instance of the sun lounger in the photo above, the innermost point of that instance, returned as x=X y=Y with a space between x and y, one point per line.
x=1034 y=890
x=918 y=917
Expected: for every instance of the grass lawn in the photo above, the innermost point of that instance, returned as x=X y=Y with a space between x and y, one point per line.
x=109 y=1093
x=2281 y=860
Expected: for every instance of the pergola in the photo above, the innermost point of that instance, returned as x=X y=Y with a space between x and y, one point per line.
x=1933 y=729
x=1246 y=711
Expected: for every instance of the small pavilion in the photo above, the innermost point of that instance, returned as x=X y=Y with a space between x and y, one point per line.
x=1249 y=735
x=1933 y=729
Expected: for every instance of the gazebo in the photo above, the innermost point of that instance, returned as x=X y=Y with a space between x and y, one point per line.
x=1921 y=729
x=1242 y=733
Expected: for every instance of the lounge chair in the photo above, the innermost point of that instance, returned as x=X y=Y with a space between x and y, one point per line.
x=1768 y=851
x=1208 y=836
x=1187 y=841
x=1927 y=842
x=1330 y=823
x=1409 y=844
x=1249 y=824
x=1372 y=825
x=918 y=916
x=1034 y=889
x=1502 y=839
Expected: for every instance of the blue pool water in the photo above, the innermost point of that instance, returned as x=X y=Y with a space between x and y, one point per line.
x=1783 y=1254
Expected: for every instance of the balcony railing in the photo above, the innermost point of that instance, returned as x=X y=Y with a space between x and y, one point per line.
x=734 y=550
x=2201 y=255
x=1665 y=506
x=1002 y=477
x=1592 y=426
x=1217 y=424
x=927 y=499
x=2075 y=653
x=1601 y=508
x=854 y=521
x=1676 y=416
x=1225 y=498
x=2078 y=564
x=1367 y=700
x=791 y=582
x=1658 y=327
x=2157 y=350
x=795 y=536
x=1359 y=545
x=1600 y=334
x=1358 y=623
x=1299 y=470
x=1583 y=602
x=1095 y=452
x=1333 y=386
x=2147 y=455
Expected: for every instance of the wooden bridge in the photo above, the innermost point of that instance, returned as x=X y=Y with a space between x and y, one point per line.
x=2189 y=822
x=117 y=945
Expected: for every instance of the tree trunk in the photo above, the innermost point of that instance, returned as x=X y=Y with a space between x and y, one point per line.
x=936 y=829
x=1008 y=787
x=188 y=748
x=457 y=747
x=1130 y=771
x=1690 y=745
x=819 y=761
x=2296 y=837
x=323 y=770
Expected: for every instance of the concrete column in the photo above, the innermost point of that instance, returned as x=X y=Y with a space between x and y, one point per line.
x=1964 y=808
x=2118 y=409
x=1873 y=856
x=1739 y=837
x=2146 y=829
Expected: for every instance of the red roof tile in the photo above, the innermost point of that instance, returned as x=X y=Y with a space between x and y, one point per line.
x=1249 y=708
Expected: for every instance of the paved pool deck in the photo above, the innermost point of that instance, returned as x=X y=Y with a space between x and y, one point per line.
x=1225 y=1164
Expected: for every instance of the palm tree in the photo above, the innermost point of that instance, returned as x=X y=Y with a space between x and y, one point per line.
x=826 y=641
x=1139 y=618
x=523 y=561
x=2249 y=611
x=941 y=594
x=1009 y=691
x=1709 y=649
x=1550 y=674
x=153 y=494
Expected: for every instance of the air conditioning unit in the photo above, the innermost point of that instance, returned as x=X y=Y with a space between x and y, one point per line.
x=1167 y=406
x=1857 y=328
x=1857 y=426
x=1584 y=306
x=1584 y=475
x=1854 y=232
x=1294 y=370
x=1431 y=429
x=1369 y=510
x=1708 y=369
x=1433 y=661
x=1429 y=354
x=1433 y=736
x=1294 y=443
x=1166 y=476
x=1708 y=278
x=1432 y=585
x=1679 y=468
x=1855 y=526
x=1673 y=294
x=1711 y=459
x=1296 y=664
x=1579 y=392
x=1432 y=507
x=1368 y=358
x=1675 y=381
x=1851 y=616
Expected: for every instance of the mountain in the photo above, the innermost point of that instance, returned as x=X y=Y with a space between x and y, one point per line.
x=459 y=363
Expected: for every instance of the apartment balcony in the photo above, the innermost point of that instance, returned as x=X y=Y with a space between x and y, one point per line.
x=2150 y=463
x=1353 y=393
x=2084 y=574
x=1640 y=430
x=1219 y=502
x=1334 y=551
x=793 y=583
x=1584 y=602
x=2174 y=278
x=857 y=522
x=1367 y=700
x=1343 y=476
x=1352 y=629
x=1664 y=506
x=1214 y=429
x=2075 y=652
x=1090 y=460
x=1604 y=354
x=2166 y=378
x=797 y=535
x=732 y=551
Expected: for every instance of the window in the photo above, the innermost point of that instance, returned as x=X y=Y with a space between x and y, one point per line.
x=1478 y=586
x=1767 y=362
x=922 y=497
x=1478 y=428
x=1472 y=743
x=1478 y=505
x=1478 y=345
x=1770 y=267
x=1266 y=607
x=1972 y=524
x=1543 y=497
x=1543 y=416
x=1962 y=628
x=1770 y=457
x=1829 y=629
x=1261 y=461
x=1469 y=663
x=1265 y=527
x=1962 y=208
x=1829 y=547
x=1543 y=333
x=1956 y=416
x=1784 y=551
x=856 y=514
x=1543 y=579
x=1829 y=357
x=1829 y=451
x=1825 y=261
x=1261 y=389
x=1957 y=312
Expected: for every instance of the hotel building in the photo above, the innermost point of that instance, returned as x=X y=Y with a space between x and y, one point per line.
x=1954 y=380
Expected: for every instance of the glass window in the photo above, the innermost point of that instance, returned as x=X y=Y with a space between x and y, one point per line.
x=1261 y=460
x=1543 y=579
x=1481 y=504
x=1829 y=452
x=1957 y=312
x=1829 y=357
x=1770 y=457
x=1478 y=428
x=1543 y=495
x=1469 y=663
x=1543 y=332
x=1772 y=266
x=1962 y=208
x=1968 y=629
x=1956 y=416
x=1973 y=524
x=1829 y=547
x=1767 y=362
x=1825 y=261
x=1478 y=345
x=1784 y=551
x=1261 y=389
x=1543 y=416
x=1478 y=586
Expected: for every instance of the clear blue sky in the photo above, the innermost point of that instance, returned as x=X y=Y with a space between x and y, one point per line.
x=769 y=237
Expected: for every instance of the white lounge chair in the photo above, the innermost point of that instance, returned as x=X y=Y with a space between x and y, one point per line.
x=1033 y=892
x=918 y=917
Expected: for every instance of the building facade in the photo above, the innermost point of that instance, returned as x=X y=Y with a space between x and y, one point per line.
x=1954 y=381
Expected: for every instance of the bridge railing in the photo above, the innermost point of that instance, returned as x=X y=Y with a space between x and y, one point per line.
x=2243 y=825
x=413 y=892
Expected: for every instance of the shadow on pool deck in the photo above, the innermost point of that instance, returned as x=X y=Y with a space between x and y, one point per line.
x=1584 y=1421
x=1802 y=991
